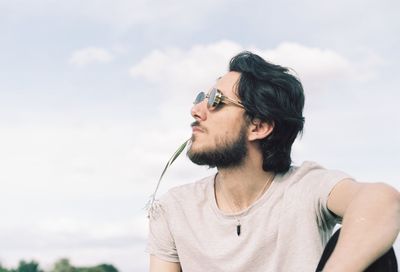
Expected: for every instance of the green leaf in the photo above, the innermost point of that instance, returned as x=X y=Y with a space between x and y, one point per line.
x=151 y=204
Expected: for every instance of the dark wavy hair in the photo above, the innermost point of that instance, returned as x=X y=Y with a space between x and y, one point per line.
x=270 y=93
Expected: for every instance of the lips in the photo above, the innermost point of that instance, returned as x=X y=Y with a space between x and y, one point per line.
x=197 y=128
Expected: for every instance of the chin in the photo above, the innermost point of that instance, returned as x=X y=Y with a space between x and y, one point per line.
x=195 y=142
x=197 y=147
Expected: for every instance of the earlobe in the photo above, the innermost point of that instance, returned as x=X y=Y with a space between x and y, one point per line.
x=260 y=129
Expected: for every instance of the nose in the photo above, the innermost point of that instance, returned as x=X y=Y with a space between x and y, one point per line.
x=199 y=111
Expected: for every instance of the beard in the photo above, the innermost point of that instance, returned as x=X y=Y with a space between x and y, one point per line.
x=227 y=153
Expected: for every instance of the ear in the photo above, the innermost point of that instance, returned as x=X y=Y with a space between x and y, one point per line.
x=259 y=129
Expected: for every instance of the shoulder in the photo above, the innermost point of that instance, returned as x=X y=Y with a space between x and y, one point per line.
x=312 y=177
x=311 y=171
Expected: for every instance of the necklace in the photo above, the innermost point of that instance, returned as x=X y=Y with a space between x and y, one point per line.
x=239 y=225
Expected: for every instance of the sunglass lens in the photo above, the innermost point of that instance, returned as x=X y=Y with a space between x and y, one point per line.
x=211 y=98
x=200 y=97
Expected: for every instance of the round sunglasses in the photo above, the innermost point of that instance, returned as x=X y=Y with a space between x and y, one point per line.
x=214 y=98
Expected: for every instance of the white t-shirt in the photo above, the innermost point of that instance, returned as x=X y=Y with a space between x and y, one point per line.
x=284 y=230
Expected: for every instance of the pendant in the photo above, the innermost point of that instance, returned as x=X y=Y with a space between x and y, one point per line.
x=238 y=229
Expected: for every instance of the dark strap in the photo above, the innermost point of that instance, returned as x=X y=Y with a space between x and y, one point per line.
x=386 y=263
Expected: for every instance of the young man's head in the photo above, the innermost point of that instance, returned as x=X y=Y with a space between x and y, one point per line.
x=259 y=103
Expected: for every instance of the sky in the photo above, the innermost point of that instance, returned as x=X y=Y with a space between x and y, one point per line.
x=95 y=97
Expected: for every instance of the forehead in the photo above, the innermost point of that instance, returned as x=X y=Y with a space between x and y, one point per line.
x=228 y=83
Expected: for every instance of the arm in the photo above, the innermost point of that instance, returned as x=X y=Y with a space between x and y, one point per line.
x=371 y=223
x=158 y=265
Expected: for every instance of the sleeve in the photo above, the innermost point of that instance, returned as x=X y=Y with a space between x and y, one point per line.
x=330 y=179
x=323 y=182
x=160 y=241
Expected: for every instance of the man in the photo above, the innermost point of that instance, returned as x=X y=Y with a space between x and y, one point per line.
x=259 y=213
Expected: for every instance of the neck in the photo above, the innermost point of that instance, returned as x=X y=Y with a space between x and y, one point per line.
x=238 y=188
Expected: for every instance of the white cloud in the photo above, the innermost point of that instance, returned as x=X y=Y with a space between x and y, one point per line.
x=90 y=55
x=311 y=63
x=181 y=69
x=200 y=65
x=318 y=67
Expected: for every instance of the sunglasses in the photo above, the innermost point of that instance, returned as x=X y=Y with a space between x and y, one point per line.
x=214 y=98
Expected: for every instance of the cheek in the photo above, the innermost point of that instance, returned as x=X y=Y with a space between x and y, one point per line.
x=224 y=135
x=229 y=128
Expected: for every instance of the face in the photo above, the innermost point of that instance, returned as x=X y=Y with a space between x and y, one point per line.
x=219 y=135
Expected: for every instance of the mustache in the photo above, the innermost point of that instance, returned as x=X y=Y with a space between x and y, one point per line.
x=197 y=124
